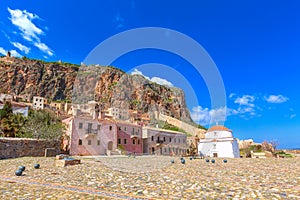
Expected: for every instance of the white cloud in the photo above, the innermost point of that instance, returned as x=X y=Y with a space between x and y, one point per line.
x=204 y=116
x=29 y=31
x=231 y=95
x=21 y=47
x=157 y=80
x=200 y=115
x=23 y=20
x=245 y=100
x=14 y=53
x=276 y=99
x=138 y=72
x=161 y=81
x=43 y=47
x=2 y=51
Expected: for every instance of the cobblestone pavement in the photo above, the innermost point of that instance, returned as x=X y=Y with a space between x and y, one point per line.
x=150 y=177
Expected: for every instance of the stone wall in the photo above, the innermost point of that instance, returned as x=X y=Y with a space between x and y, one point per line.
x=185 y=126
x=18 y=147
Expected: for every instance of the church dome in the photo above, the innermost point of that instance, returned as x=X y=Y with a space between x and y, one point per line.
x=218 y=128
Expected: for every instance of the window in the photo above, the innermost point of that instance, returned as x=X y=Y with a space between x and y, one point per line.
x=99 y=127
x=98 y=142
x=175 y=140
x=125 y=141
x=157 y=138
x=119 y=128
x=79 y=142
x=89 y=142
x=179 y=140
x=119 y=141
x=165 y=149
x=124 y=128
x=170 y=139
x=152 y=138
x=164 y=139
x=138 y=141
x=80 y=125
x=133 y=141
x=110 y=128
x=90 y=127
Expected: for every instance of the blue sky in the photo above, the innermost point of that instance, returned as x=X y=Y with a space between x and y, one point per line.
x=254 y=44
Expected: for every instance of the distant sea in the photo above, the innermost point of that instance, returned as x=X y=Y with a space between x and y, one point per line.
x=289 y=148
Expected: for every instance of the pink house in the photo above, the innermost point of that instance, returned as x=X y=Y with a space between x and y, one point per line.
x=91 y=136
x=129 y=138
x=87 y=136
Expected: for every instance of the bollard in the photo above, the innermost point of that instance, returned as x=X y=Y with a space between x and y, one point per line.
x=182 y=161
x=225 y=161
x=36 y=166
x=22 y=168
x=18 y=172
x=172 y=161
x=212 y=161
x=207 y=160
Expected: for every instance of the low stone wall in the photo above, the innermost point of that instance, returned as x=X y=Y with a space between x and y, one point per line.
x=185 y=126
x=19 y=147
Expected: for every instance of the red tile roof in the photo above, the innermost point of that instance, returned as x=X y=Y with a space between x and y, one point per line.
x=218 y=128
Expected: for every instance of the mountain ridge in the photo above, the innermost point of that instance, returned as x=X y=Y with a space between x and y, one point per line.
x=109 y=86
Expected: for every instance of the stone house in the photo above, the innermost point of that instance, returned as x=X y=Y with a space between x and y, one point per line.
x=163 y=142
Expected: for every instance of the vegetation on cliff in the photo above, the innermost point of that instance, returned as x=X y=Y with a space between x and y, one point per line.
x=40 y=124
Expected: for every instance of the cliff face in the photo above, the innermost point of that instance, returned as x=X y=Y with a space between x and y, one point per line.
x=50 y=80
x=109 y=86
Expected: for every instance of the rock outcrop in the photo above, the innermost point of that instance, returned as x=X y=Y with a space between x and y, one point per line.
x=109 y=86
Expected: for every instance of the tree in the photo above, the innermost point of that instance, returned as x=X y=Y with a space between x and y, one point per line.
x=42 y=124
x=6 y=111
x=6 y=114
x=270 y=146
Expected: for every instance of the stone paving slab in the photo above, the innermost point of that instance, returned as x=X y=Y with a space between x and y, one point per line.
x=150 y=177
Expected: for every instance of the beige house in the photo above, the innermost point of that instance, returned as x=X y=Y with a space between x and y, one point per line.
x=57 y=105
x=163 y=142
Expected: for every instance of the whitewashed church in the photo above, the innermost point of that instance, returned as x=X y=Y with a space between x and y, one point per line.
x=219 y=142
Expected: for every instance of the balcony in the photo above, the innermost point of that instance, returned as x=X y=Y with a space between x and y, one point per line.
x=91 y=131
x=159 y=141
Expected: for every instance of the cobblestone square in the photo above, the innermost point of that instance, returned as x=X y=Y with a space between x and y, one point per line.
x=151 y=177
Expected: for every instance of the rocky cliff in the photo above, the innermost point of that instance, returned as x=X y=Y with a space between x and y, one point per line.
x=109 y=86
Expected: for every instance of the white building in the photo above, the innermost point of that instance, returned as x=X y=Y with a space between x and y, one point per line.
x=219 y=142
x=6 y=97
x=118 y=113
x=39 y=103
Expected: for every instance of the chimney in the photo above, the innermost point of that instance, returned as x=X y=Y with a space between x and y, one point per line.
x=8 y=55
